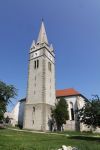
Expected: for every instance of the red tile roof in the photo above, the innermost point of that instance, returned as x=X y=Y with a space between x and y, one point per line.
x=67 y=92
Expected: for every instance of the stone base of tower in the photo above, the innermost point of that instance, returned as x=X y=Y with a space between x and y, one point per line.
x=37 y=117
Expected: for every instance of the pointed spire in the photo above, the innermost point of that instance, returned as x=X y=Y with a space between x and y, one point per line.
x=42 y=38
x=33 y=44
x=51 y=47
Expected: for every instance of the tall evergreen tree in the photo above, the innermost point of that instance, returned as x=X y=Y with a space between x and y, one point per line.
x=60 y=113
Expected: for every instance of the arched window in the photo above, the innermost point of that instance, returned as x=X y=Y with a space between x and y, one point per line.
x=72 y=111
x=36 y=64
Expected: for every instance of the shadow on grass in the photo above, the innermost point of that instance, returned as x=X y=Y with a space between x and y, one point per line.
x=86 y=138
x=2 y=128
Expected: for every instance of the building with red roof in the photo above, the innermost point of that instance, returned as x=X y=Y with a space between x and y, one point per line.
x=74 y=100
x=66 y=92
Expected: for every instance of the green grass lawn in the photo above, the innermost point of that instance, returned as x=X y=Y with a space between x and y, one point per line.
x=16 y=140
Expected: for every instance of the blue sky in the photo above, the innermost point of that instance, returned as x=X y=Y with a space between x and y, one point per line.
x=73 y=27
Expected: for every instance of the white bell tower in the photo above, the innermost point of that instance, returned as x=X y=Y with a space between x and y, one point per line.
x=41 y=83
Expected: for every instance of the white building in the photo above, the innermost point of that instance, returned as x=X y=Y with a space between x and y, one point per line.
x=13 y=115
x=17 y=114
x=74 y=100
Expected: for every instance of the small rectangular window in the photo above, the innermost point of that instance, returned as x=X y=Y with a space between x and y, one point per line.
x=49 y=66
x=37 y=63
x=33 y=109
x=35 y=78
x=33 y=121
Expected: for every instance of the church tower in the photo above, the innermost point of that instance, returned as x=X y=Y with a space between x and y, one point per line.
x=41 y=83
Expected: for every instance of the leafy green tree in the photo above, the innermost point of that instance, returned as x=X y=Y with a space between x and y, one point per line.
x=7 y=92
x=60 y=113
x=90 y=113
x=2 y=109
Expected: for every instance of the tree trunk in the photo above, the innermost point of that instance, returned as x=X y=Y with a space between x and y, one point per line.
x=59 y=127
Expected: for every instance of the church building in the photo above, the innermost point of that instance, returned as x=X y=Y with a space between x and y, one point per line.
x=34 y=111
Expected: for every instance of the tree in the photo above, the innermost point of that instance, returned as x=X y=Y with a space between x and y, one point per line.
x=60 y=113
x=7 y=119
x=90 y=113
x=6 y=93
